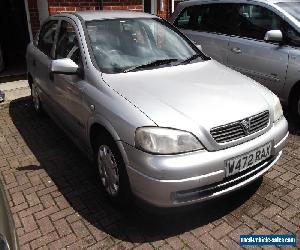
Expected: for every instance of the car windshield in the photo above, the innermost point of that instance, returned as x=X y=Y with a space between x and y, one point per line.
x=122 y=45
x=293 y=8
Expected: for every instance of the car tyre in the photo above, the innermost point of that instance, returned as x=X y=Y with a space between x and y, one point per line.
x=112 y=171
x=37 y=104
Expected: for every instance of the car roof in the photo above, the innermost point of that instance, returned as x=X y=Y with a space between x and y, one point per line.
x=190 y=2
x=105 y=14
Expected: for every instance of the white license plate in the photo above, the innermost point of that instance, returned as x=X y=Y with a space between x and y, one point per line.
x=248 y=160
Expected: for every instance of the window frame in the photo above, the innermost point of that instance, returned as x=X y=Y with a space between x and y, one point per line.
x=76 y=29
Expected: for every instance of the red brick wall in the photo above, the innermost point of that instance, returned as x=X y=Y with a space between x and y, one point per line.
x=136 y=5
x=56 y=6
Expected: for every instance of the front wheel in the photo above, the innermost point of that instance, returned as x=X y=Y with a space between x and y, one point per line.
x=112 y=171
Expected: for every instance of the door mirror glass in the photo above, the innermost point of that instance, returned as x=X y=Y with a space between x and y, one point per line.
x=64 y=66
x=274 y=36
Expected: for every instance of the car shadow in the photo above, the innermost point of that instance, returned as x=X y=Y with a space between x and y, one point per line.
x=76 y=179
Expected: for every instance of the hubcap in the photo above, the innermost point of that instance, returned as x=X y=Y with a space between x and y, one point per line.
x=35 y=98
x=108 y=170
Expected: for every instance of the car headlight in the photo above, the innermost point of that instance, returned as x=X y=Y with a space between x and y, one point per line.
x=165 y=140
x=278 y=112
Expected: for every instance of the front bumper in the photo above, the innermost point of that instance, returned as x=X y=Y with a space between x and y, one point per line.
x=176 y=180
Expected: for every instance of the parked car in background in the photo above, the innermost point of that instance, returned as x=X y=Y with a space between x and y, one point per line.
x=260 y=39
x=161 y=119
x=8 y=239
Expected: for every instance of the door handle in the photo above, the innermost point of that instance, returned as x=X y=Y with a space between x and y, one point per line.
x=236 y=50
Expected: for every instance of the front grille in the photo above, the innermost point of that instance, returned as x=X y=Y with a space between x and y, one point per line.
x=239 y=129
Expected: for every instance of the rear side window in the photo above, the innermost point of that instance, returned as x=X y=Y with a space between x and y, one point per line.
x=254 y=21
x=67 y=43
x=210 y=17
x=46 y=37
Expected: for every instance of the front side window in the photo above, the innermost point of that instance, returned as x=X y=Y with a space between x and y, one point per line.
x=120 y=44
x=209 y=17
x=47 y=36
x=255 y=21
x=67 y=43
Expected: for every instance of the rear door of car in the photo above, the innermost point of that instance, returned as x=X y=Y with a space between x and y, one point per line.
x=41 y=58
x=208 y=25
x=265 y=62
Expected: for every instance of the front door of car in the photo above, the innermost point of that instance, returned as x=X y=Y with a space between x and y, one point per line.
x=69 y=89
x=265 y=62
x=208 y=25
x=40 y=62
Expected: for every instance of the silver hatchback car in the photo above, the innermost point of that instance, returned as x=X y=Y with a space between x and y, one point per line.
x=161 y=120
x=259 y=38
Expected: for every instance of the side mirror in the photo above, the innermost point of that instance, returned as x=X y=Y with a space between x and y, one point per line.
x=64 y=66
x=274 y=36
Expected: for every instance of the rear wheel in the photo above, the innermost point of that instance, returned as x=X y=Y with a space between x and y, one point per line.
x=36 y=100
x=112 y=171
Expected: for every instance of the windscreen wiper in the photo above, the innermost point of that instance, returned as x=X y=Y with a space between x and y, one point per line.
x=151 y=64
x=191 y=58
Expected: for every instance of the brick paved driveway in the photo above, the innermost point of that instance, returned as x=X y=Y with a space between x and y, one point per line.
x=56 y=200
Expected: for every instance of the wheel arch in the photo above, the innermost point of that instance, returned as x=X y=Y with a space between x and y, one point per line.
x=103 y=127
x=293 y=92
